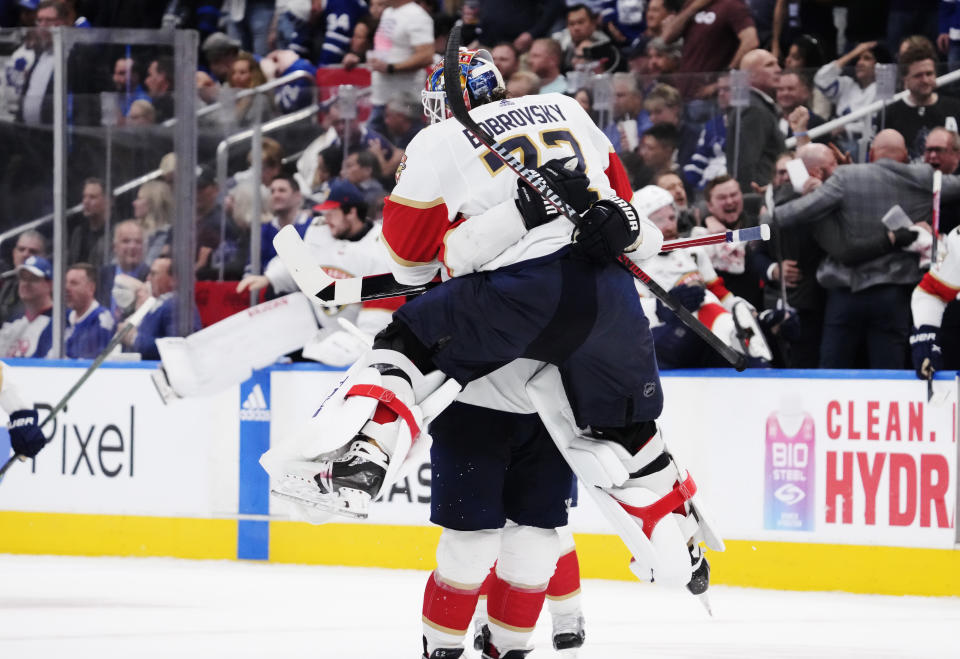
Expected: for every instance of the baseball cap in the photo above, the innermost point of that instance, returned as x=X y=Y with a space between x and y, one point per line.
x=29 y=4
x=341 y=192
x=219 y=44
x=38 y=266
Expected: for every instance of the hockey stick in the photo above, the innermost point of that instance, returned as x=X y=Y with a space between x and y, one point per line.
x=132 y=322
x=935 y=229
x=454 y=93
x=312 y=280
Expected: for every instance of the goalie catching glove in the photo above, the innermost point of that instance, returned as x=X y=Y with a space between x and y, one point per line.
x=564 y=178
x=608 y=229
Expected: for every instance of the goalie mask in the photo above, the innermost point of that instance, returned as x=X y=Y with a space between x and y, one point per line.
x=479 y=79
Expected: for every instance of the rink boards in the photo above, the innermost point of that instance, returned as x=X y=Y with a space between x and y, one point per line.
x=818 y=480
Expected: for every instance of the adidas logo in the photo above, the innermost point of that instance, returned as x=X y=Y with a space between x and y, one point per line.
x=255 y=407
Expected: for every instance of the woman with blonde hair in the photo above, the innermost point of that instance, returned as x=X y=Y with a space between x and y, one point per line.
x=153 y=209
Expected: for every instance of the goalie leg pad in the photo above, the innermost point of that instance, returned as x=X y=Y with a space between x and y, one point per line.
x=356 y=445
x=666 y=515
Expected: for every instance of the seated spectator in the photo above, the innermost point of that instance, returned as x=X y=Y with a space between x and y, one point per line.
x=153 y=209
x=658 y=148
x=850 y=94
x=506 y=58
x=923 y=108
x=286 y=202
x=162 y=321
x=546 y=59
x=362 y=170
x=754 y=153
x=271 y=163
x=220 y=51
x=31 y=334
x=29 y=243
x=523 y=83
x=142 y=113
x=709 y=158
x=159 y=84
x=584 y=97
x=727 y=211
x=89 y=325
x=127 y=259
x=401 y=122
x=209 y=215
x=246 y=74
x=127 y=83
x=889 y=145
x=664 y=106
x=87 y=241
x=582 y=25
x=630 y=120
x=328 y=168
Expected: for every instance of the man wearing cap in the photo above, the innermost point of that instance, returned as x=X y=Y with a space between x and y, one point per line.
x=29 y=243
x=221 y=52
x=89 y=326
x=31 y=335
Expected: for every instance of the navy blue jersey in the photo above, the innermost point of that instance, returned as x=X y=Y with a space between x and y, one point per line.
x=340 y=17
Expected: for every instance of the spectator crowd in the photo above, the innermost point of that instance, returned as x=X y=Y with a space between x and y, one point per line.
x=832 y=289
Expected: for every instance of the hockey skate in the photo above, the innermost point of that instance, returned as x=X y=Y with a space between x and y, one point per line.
x=749 y=334
x=343 y=485
x=490 y=651
x=568 y=634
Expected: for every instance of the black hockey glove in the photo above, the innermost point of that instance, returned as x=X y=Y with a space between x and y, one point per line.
x=25 y=436
x=566 y=180
x=924 y=352
x=689 y=297
x=903 y=237
x=608 y=228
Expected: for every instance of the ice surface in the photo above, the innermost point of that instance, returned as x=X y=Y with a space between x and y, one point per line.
x=52 y=606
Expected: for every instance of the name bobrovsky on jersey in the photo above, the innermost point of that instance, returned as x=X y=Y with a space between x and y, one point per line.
x=519 y=117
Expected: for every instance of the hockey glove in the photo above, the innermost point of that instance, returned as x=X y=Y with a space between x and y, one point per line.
x=608 y=229
x=566 y=180
x=689 y=297
x=926 y=354
x=782 y=322
x=25 y=436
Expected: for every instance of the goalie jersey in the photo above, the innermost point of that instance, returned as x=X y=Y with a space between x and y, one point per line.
x=447 y=175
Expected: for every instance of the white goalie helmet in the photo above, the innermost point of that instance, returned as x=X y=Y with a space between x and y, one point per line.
x=479 y=78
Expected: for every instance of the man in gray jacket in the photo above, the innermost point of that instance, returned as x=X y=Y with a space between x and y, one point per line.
x=868 y=277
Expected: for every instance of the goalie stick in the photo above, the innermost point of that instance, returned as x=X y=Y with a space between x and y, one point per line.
x=132 y=322
x=376 y=287
x=454 y=93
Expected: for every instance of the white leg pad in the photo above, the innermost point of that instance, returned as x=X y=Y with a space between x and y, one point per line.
x=228 y=351
x=662 y=556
